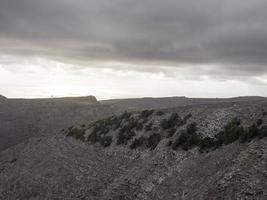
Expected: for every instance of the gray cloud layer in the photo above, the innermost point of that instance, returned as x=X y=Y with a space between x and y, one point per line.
x=231 y=33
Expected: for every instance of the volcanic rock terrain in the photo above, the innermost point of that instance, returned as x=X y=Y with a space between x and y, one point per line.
x=166 y=148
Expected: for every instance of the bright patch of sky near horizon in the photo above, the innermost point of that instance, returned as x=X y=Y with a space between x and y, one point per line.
x=39 y=78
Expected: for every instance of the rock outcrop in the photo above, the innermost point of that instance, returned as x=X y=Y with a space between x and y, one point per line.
x=80 y=100
x=2 y=98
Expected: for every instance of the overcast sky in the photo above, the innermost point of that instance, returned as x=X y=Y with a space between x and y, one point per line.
x=133 y=48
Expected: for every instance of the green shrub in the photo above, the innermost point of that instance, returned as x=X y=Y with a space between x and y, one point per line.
x=93 y=137
x=207 y=143
x=169 y=143
x=139 y=126
x=148 y=127
x=114 y=122
x=252 y=132
x=138 y=142
x=263 y=132
x=192 y=140
x=188 y=116
x=153 y=141
x=159 y=113
x=245 y=137
x=130 y=124
x=146 y=113
x=69 y=129
x=187 y=138
x=123 y=137
x=117 y=124
x=182 y=138
x=126 y=115
x=113 y=119
x=232 y=131
x=171 y=132
x=101 y=127
x=164 y=124
x=249 y=134
x=191 y=128
x=76 y=133
x=174 y=120
x=219 y=138
x=259 y=122
x=106 y=141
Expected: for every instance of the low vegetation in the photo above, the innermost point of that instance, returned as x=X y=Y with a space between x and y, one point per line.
x=254 y=131
x=124 y=137
x=153 y=141
x=138 y=142
x=150 y=142
x=234 y=131
x=174 y=121
x=159 y=113
x=148 y=127
x=146 y=113
x=171 y=132
x=187 y=138
x=106 y=141
x=77 y=133
x=128 y=124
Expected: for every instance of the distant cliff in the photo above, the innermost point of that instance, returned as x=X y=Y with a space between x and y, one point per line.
x=2 y=98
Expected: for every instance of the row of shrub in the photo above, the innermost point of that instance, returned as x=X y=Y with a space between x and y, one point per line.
x=233 y=131
x=127 y=125
x=112 y=123
x=77 y=133
x=100 y=129
x=105 y=140
x=186 y=138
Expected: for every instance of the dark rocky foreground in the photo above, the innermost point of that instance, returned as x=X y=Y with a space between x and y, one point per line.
x=60 y=168
x=71 y=164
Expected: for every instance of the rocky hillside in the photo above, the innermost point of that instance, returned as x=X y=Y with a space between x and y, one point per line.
x=21 y=119
x=207 y=151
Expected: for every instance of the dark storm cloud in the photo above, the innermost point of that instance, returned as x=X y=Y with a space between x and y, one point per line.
x=231 y=34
